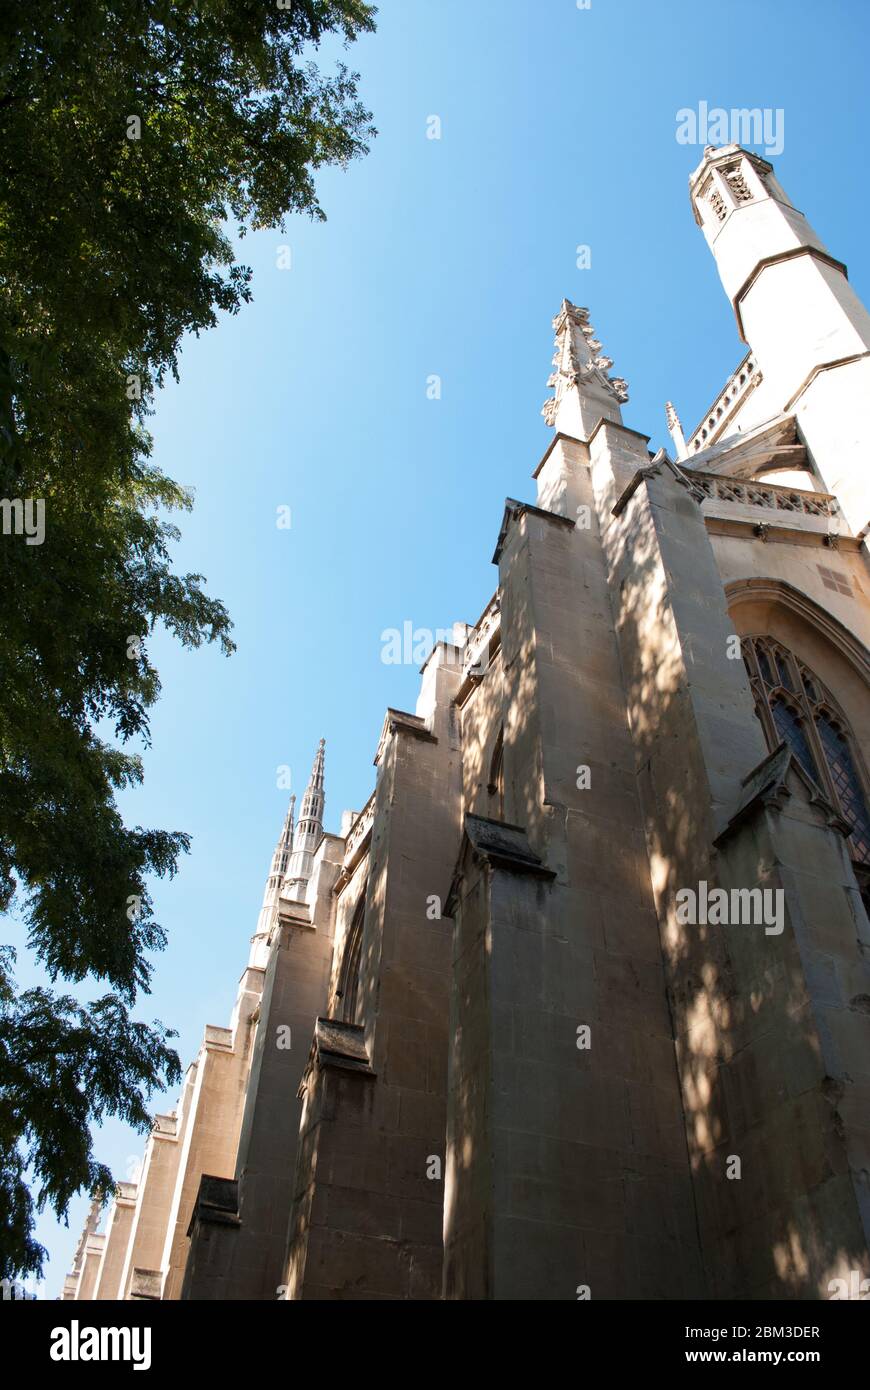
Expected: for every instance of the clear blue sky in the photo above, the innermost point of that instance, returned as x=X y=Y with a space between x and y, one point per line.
x=441 y=257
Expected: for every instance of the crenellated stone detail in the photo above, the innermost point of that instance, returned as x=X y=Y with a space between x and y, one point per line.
x=733 y=394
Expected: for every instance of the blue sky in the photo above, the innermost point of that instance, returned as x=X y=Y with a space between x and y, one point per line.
x=445 y=257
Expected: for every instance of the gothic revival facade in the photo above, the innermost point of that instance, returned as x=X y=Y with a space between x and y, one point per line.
x=578 y=1005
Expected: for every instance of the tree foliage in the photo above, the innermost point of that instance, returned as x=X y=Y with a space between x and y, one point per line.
x=132 y=133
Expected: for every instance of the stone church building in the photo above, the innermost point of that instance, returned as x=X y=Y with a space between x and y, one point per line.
x=578 y=1004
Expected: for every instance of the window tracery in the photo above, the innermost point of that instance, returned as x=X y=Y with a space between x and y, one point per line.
x=794 y=707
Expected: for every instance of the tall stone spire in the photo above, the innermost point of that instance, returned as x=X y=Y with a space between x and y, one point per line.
x=585 y=393
x=308 y=831
x=280 y=862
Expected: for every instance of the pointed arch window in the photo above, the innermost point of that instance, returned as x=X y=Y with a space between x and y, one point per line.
x=795 y=708
x=792 y=730
x=495 y=786
x=844 y=774
x=347 y=989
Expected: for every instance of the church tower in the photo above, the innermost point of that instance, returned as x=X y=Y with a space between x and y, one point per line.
x=807 y=330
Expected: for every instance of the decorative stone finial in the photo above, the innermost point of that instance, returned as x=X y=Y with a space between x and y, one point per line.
x=579 y=360
x=675 y=429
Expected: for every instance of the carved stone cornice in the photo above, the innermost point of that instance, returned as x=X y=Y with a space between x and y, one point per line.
x=718 y=524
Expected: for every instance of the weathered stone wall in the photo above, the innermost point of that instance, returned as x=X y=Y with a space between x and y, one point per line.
x=154 y=1194
x=583 y=1151
x=119 y=1225
x=210 y=1136
x=368 y=1208
x=748 y=1014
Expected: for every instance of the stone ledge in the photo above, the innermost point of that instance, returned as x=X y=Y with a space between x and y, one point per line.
x=720 y=525
x=217 y=1202
x=340 y=1045
x=499 y=844
x=145 y=1284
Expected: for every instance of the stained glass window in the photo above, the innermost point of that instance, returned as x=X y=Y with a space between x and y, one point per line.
x=791 y=730
x=801 y=716
x=763 y=662
x=782 y=666
x=846 y=781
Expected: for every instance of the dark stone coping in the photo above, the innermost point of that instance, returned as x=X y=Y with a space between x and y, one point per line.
x=513 y=510
x=342 y=1045
x=397 y=721
x=217 y=1201
x=617 y=425
x=559 y=435
x=660 y=461
x=766 y=785
x=502 y=845
x=145 y=1284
